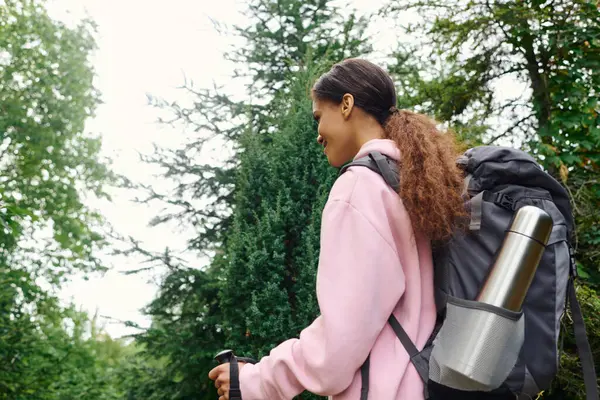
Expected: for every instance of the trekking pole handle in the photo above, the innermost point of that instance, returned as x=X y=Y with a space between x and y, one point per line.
x=227 y=356
x=224 y=357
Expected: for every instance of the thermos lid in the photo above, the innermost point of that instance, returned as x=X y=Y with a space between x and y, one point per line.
x=533 y=222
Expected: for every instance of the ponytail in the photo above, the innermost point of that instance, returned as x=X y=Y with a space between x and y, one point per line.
x=430 y=181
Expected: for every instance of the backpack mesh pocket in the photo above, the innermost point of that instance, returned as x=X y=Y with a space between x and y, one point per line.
x=477 y=346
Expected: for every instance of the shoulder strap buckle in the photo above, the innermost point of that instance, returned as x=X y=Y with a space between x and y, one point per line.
x=505 y=201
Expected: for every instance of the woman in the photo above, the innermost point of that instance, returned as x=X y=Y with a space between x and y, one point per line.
x=375 y=256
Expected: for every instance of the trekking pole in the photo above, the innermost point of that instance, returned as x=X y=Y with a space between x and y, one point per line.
x=227 y=356
x=224 y=357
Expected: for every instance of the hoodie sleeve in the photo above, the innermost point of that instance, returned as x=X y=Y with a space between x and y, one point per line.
x=359 y=283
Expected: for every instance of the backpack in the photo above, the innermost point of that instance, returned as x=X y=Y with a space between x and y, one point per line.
x=498 y=181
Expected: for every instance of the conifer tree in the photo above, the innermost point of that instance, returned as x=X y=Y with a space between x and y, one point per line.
x=269 y=292
x=279 y=184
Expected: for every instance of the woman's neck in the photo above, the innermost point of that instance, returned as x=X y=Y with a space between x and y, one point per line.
x=368 y=132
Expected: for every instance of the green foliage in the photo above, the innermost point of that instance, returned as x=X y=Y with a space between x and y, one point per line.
x=585 y=191
x=51 y=353
x=272 y=253
x=282 y=32
x=549 y=47
x=177 y=351
x=276 y=40
x=143 y=377
x=46 y=160
x=569 y=384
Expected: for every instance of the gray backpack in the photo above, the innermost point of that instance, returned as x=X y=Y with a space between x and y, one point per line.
x=499 y=181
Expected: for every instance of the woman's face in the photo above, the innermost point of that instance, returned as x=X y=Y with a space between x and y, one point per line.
x=335 y=133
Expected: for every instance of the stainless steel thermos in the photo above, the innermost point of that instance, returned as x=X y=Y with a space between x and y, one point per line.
x=480 y=340
x=517 y=260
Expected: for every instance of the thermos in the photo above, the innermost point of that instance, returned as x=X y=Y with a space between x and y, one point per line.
x=518 y=259
x=480 y=341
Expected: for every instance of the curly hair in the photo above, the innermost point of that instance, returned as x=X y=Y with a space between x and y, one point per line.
x=431 y=183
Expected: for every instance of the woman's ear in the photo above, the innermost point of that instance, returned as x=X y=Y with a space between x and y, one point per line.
x=347 y=105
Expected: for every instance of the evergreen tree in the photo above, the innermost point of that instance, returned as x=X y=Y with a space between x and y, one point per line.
x=269 y=291
x=277 y=39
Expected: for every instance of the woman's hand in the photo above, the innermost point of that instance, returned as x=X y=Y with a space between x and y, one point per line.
x=221 y=376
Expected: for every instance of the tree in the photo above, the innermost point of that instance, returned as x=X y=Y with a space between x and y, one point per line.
x=177 y=351
x=279 y=35
x=549 y=49
x=47 y=164
x=52 y=353
x=272 y=253
x=47 y=160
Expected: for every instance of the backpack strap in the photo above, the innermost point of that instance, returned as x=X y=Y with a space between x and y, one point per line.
x=581 y=339
x=417 y=360
x=499 y=199
x=388 y=169
x=364 y=375
x=583 y=345
x=381 y=164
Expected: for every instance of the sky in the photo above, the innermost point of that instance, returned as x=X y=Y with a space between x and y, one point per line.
x=146 y=47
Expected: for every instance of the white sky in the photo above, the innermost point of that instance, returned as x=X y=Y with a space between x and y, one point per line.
x=145 y=47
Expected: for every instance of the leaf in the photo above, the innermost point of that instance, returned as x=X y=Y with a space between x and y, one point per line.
x=595 y=133
x=564 y=173
x=570 y=159
x=48 y=160
x=582 y=272
x=587 y=144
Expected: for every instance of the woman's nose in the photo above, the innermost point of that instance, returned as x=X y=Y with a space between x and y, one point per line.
x=320 y=139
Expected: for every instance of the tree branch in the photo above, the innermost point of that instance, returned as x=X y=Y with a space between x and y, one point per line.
x=508 y=71
x=506 y=35
x=509 y=130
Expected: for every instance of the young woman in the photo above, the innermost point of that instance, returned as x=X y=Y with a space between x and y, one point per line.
x=375 y=256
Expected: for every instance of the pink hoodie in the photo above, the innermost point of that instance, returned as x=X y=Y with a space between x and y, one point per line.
x=371 y=264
